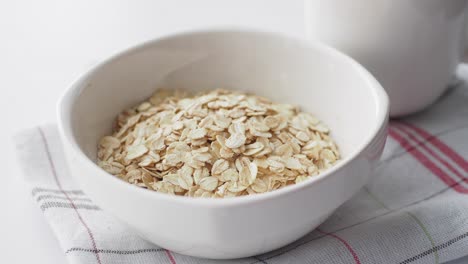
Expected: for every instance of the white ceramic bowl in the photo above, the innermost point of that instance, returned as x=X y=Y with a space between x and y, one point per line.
x=319 y=79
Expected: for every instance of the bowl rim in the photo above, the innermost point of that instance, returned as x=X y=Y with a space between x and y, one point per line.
x=68 y=97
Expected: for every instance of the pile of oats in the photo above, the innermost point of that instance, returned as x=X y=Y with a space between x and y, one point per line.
x=216 y=144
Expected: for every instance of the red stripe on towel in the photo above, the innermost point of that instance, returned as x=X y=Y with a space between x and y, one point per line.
x=404 y=128
x=59 y=185
x=424 y=160
x=169 y=255
x=346 y=244
x=444 y=148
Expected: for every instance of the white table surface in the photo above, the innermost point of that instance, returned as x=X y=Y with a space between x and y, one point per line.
x=45 y=45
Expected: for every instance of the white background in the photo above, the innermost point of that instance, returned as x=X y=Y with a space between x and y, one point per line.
x=45 y=45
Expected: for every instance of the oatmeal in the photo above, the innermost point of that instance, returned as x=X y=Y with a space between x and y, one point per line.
x=216 y=144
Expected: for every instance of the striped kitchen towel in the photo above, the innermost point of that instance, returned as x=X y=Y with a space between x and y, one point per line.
x=415 y=209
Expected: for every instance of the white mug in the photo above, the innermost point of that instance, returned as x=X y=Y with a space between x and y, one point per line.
x=411 y=46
